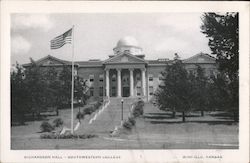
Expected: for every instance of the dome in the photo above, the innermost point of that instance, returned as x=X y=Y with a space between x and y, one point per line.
x=127 y=41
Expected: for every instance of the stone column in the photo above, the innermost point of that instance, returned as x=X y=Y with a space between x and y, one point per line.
x=131 y=82
x=119 y=85
x=107 y=82
x=143 y=79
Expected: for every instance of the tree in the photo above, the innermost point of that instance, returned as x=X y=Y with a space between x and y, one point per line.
x=80 y=87
x=223 y=34
x=199 y=89
x=19 y=95
x=175 y=92
x=65 y=77
x=220 y=95
x=81 y=90
x=37 y=88
x=53 y=88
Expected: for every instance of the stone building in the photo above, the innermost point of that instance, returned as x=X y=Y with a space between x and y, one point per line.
x=127 y=73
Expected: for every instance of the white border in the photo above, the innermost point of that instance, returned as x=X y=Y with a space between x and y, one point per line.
x=241 y=155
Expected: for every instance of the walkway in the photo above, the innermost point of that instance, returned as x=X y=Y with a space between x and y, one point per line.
x=109 y=118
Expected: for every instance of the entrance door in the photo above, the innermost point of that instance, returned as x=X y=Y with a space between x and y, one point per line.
x=125 y=91
x=125 y=83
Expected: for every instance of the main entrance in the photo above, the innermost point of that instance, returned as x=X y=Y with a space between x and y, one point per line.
x=120 y=82
x=125 y=83
x=125 y=92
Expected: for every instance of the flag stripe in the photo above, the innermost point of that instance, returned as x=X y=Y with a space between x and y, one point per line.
x=55 y=45
x=59 y=41
x=53 y=41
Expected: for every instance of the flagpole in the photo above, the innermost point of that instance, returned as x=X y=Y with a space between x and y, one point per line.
x=72 y=85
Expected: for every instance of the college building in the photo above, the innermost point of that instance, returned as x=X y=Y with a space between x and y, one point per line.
x=127 y=73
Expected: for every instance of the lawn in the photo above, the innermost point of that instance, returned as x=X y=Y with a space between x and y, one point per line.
x=156 y=130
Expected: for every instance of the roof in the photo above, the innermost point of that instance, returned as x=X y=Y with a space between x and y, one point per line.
x=90 y=63
x=127 y=41
x=200 y=58
x=124 y=58
x=51 y=58
x=159 y=62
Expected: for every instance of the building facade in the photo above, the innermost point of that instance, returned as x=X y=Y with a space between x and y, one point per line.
x=127 y=73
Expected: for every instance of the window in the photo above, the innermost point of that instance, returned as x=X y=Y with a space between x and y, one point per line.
x=151 y=90
x=101 y=91
x=91 y=78
x=150 y=77
x=138 y=90
x=138 y=77
x=91 y=91
x=113 y=78
x=101 y=78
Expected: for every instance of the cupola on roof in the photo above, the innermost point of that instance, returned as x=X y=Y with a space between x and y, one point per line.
x=127 y=41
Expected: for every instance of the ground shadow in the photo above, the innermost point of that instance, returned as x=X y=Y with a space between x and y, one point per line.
x=196 y=121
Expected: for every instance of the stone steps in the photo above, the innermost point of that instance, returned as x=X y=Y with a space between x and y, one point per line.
x=110 y=117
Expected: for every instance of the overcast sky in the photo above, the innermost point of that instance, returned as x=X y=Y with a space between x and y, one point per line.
x=159 y=34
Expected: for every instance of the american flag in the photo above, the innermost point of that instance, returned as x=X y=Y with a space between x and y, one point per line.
x=59 y=41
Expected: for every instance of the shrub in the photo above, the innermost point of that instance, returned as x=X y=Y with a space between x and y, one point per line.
x=96 y=105
x=127 y=124
x=131 y=120
x=138 y=108
x=57 y=122
x=66 y=136
x=141 y=103
x=89 y=110
x=80 y=115
x=46 y=127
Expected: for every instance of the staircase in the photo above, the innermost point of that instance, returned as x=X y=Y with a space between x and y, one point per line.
x=110 y=117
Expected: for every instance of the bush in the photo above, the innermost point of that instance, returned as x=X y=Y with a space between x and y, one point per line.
x=138 y=108
x=89 y=110
x=46 y=127
x=57 y=122
x=132 y=120
x=80 y=115
x=66 y=136
x=127 y=124
x=96 y=105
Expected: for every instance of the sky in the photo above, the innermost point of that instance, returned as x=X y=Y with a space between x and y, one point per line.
x=160 y=35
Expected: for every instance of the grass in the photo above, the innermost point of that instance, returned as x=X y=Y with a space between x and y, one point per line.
x=208 y=132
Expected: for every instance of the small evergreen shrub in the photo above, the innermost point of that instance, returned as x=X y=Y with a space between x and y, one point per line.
x=138 y=108
x=89 y=110
x=132 y=120
x=80 y=115
x=97 y=105
x=57 y=122
x=127 y=124
x=46 y=127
